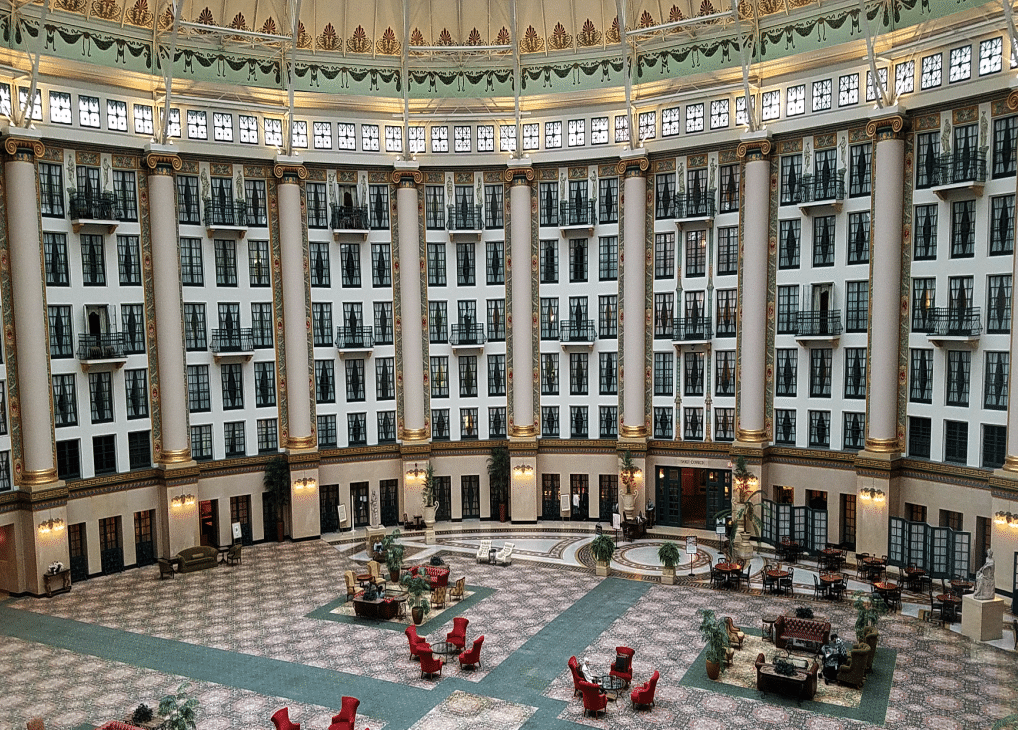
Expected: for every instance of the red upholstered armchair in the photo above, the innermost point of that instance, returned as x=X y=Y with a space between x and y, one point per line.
x=416 y=641
x=622 y=667
x=347 y=715
x=458 y=635
x=429 y=664
x=643 y=696
x=594 y=698
x=574 y=668
x=472 y=656
x=281 y=719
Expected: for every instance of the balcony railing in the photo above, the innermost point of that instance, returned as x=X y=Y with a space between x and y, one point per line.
x=821 y=188
x=350 y=217
x=961 y=168
x=357 y=338
x=97 y=206
x=467 y=334
x=954 y=322
x=819 y=323
x=571 y=213
x=106 y=346
x=463 y=218
x=695 y=204
x=232 y=340
x=226 y=214
x=577 y=330
x=691 y=329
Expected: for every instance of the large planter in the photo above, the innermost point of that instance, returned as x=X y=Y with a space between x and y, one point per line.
x=668 y=576
x=417 y=612
x=628 y=505
x=713 y=670
x=503 y=512
x=602 y=569
x=429 y=516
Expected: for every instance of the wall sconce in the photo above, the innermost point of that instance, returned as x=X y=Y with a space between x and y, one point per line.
x=184 y=500
x=1006 y=518
x=872 y=495
x=305 y=484
x=523 y=470
x=416 y=474
x=51 y=525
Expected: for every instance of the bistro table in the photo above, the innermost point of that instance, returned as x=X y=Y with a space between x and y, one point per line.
x=777 y=575
x=960 y=587
x=884 y=587
x=728 y=570
x=874 y=567
x=832 y=558
x=789 y=549
x=829 y=580
x=914 y=577
x=768 y=626
x=951 y=604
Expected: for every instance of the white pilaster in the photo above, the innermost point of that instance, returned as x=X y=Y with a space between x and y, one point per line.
x=407 y=176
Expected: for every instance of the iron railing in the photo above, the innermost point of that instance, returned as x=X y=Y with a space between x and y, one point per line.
x=354 y=337
x=577 y=213
x=349 y=217
x=954 y=322
x=818 y=188
x=225 y=213
x=105 y=346
x=577 y=330
x=691 y=329
x=97 y=206
x=818 y=323
x=463 y=218
x=232 y=340
x=467 y=334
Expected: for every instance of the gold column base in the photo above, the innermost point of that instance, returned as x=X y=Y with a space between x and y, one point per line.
x=174 y=456
x=415 y=434
x=751 y=435
x=633 y=432
x=883 y=446
x=1011 y=463
x=38 y=477
x=523 y=431
x=300 y=442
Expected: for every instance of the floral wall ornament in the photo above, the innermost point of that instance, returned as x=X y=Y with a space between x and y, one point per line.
x=205 y=17
x=388 y=45
x=106 y=9
x=73 y=6
x=139 y=14
x=474 y=39
x=417 y=38
x=269 y=26
x=646 y=19
x=444 y=38
x=589 y=35
x=559 y=38
x=503 y=37
x=531 y=42
x=303 y=39
x=613 y=35
x=675 y=14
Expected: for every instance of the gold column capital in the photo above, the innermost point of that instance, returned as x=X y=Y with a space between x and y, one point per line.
x=38 y=477
x=751 y=150
x=290 y=172
x=633 y=166
x=518 y=175
x=1011 y=462
x=523 y=431
x=163 y=163
x=888 y=127
x=407 y=178
x=1012 y=100
x=24 y=149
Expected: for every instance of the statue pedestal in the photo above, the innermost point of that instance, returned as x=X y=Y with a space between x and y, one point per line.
x=982 y=620
x=429 y=536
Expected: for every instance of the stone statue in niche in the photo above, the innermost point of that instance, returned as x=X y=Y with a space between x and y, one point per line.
x=985 y=586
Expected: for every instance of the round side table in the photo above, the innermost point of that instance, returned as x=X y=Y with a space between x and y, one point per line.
x=768 y=627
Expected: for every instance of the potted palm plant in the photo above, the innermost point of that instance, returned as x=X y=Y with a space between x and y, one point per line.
x=669 y=556
x=603 y=548
x=277 y=492
x=394 y=552
x=715 y=634
x=418 y=589
x=178 y=710
x=428 y=496
x=868 y=610
x=745 y=514
x=498 y=480
x=628 y=472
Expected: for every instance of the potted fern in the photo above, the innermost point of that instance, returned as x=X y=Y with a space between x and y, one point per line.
x=603 y=548
x=669 y=556
x=394 y=552
x=418 y=589
x=428 y=496
x=715 y=634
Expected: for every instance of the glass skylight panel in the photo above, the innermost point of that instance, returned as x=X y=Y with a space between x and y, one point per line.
x=222 y=127
x=671 y=121
x=507 y=138
x=577 y=132
x=719 y=114
x=991 y=56
x=143 y=119
x=622 y=128
x=322 y=135
x=116 y=115
x=393 y=138
x=552 y=135
x=961 y=64
x=461 y=138
x=932 y=72
x=5 y=99
x=273 y=132
x=821 y=95
x=36 y=104
x=88 y=111
x=248 y=129
x=197 y=125
x=417 y=140
x=599 y=130
x=486 y=138
x=369 y=137
x=771 y=105
x=439 y=139
x=848 y=90
x=694 y=118
x=648 y=125
x=299 y=134
x=60 y=107
x=741 y=118
x=346 y=136
x=871 y=92
x=795 y=100
x=532 y=136
x=173 y=126
x=904 y=78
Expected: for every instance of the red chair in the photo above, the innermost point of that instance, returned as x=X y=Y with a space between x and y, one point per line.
x=472 y=657
x=643 y=696
x=574 y=667
x=347 y=715
x=429 y=664
x=281 y=719
x=594 y=698
x=622 y=667
x=458 y=635
x=415 y=642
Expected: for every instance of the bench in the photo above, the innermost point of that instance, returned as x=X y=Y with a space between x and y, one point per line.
x=813 y=633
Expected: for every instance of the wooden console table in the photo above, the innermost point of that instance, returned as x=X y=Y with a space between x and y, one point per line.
x=59 y=582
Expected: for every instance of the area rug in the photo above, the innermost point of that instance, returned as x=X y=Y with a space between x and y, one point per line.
x=342 y=611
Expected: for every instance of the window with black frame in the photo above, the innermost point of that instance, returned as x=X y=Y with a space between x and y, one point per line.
x=496 y=320
x=786 y=372
x=265 y=384
x=132 y=321
x=998 y=304
x=467 y=366
x=494 y=196
x=789 y=234
x=55 y=254
x=692 y=424
x=100 y=391
x=51 y=190
x=496 y=375
x=440 y=376
x=355 y=381
x=226 y=262
x=436 y=264
x=386 y=427
x=923 y=304
x=823 y=241
x=578 y=373
x=125 y=195
x=663 y=423
x=664 y=255
x=927 y=159
x=693 y=366
x=325 y=381
x=549 y=318
x=93 y=260
x=956 y=446
x=924 y=233
x=853 y=430
x=608 y=367
x=262 y=325
x=577 y=259
x=729 y=190
x=959 y=367
x=1002 y=225
x=608 y=418
x=784 y=426
x=232 y=376
x=857 y=306
x=820 y=360
x=963 y=231
x=549 y=421
x=547 y=203
x=995 y=379
x=608 y=199
x=724 y=424
x=820 y=429
x=578 y=422
x=378 y=207
x=327 y=436
x=465 y=264
x=60 y=333
x=859 y=170
x=727 y=306
x=188 y=209
x=385 y=378
x=724 y=365
x=549 y=261
x=921 y=375
x=1005 y=146
x=381 y=266
x=665 y=202
x=549 y=373
x=383 y=323
x=855 y=372
x=664 y=373
x=788 y=309
x=859 y=238
x=728 y=250
x=791 y=179
x=495 y=262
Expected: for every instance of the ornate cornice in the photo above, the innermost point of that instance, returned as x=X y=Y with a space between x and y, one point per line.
x=290 y=173
x=753 y=150
x=25 y=149
x=163 y=163
x=407 y=178
x=889 y=127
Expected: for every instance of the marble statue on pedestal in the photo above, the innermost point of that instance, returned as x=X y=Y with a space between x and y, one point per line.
x=985 y=585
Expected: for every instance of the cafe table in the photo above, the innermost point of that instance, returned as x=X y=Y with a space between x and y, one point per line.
x=728 y=570
x=960 y=587
x=951 y=603
x=777 y=575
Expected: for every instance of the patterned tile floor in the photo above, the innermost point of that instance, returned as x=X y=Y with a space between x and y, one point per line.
x=245 y=639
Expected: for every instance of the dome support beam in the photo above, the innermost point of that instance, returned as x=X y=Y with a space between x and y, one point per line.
x=1012 y=31
x=164 y=125
x=746 y=46
x=21 y=113
x=879 y=87
x=518 y=152
x=286 y=60
x=627 y=60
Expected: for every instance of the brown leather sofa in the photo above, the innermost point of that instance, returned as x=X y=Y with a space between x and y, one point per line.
x=805 y=629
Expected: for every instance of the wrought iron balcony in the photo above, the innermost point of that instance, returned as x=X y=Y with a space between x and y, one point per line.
x=463 y=218
x=232 y=341
x=820 y=189
x=964 y=167
x=349 y=217
x=93 y=206
x=576 y=213
x=355 y=338
x=580 y=331
x=467 y=333
x=691 y=329
x=224 y=213
x=961 y=322
x=106 y=346
x=695 y=204
x=819 y=323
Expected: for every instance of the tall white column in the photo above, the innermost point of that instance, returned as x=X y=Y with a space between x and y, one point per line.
x=411 y=320
x=30 y=320
x=885 y=300
x=296 y=326
x=520 y=330
x=175 y=443
x=633 y=167
x=752 y=426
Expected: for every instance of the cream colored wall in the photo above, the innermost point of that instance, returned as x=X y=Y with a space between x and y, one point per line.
x=370 y=471
x=234 y=485
x=565 y=464
x=124 y=504
x=802 y=478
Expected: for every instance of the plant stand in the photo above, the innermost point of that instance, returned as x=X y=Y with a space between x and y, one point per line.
x=429 y=536
x=668 y=576
x=602 y=569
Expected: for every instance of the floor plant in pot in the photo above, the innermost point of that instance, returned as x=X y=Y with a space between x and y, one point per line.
x=603 y=548
x=868 y=610
x=178 y=710
x=745 y=513
x=428 y=496
x=418 y=590
x=714 y=632
x=277 y=492
x=628 y=472
x=669 y=556
x=394 y=551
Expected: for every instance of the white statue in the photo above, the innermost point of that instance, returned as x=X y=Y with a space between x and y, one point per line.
x=985 y=585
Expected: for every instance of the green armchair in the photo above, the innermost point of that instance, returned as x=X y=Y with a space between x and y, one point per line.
x=853 y=672
x=871 y=636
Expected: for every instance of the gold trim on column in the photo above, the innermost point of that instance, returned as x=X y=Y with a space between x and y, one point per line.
x=518 y=175
x=632 y=166
x=158 y=162
x=39 y=476
x=888 y=127
x=633 y=432
x=756 y=150
x=22 y=148
x=174 y=456
x=407 y=178
x=751 y=435
x=287 y=172
x=882 y=446
x=300 y=442
x=1011 y=462
x=415 y=434
x=1012 y=104
x=523 y=431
